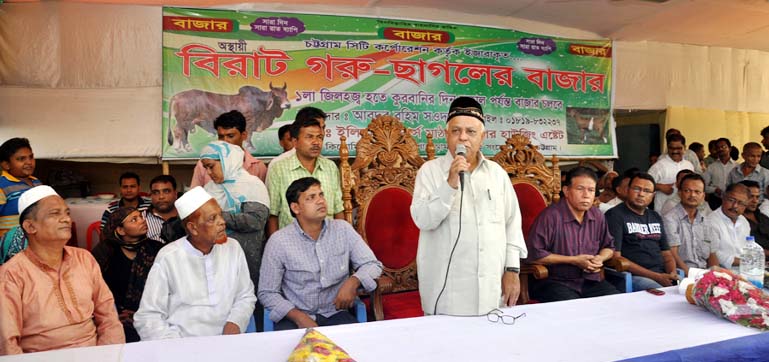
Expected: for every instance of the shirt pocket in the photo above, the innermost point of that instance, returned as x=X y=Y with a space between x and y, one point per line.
x=339 y=265
x=302 y=272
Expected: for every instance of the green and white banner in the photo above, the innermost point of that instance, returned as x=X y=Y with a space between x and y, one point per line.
x=269 y=65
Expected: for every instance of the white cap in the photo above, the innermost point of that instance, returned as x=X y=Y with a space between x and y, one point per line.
x=34 y=195
x=191 y=201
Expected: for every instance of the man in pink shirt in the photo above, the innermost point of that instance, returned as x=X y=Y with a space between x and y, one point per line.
x=53 y=296
x=231 y=128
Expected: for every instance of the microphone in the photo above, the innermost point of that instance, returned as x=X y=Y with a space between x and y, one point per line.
x=461 y=150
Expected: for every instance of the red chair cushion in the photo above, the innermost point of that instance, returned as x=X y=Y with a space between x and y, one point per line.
x=390 y=231
x=531 y=203
x=399 y=305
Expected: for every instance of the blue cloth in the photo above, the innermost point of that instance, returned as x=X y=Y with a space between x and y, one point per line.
x=743 y=349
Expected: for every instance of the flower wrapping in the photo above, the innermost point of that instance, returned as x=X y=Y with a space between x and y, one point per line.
x=731 y=297
x=316 y=347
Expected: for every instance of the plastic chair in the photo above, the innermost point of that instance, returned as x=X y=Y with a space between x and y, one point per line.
x=359 y=311
x=95 y=227
x=251 y=325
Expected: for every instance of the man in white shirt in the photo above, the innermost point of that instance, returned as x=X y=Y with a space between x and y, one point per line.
x=472 y=270
x=726 y=228
x=199 y=284
x=667 y=166
x=718 y=172
x=689 y=154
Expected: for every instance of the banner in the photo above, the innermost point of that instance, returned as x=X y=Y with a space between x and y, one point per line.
x=269 y=65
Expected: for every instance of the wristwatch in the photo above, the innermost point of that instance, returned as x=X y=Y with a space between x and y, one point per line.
x=512 y=269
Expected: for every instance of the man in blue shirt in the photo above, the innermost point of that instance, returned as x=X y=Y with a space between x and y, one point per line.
x=305 y=279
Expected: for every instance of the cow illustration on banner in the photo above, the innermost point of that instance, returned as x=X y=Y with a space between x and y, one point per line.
x=268 y=65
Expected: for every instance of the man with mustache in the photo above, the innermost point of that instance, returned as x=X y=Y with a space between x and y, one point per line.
x=717 y=174
x=640 y=237
x=726 y=228
x=759 y=223
x=304 y=114
x=571 y=237
x=53 y=296
x=750 y=169
x=162 y=195
x=305 y=279
x=685 y=229
x=307 y=135
x=199 y=284
x=667 y=166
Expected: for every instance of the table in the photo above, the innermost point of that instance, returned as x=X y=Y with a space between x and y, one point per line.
x=599 y=329
x=84 y=212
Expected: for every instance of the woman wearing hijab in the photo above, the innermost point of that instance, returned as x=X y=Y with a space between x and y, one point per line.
x=243 y=198
x=125 y=257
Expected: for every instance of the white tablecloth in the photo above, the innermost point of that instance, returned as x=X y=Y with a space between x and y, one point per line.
x=598 y=329
x=84 y=212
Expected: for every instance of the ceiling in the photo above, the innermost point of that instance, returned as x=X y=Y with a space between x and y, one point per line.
x=724 y=23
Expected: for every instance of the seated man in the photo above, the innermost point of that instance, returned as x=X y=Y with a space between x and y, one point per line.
x=572 y=239
x=199 y=285
x=759 y=223
x=726 y=228
x=640 y=237
x=52 y=296
x=305 y=281
x=685 y=229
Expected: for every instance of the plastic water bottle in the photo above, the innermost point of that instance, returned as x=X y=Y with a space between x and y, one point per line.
x=752 y=261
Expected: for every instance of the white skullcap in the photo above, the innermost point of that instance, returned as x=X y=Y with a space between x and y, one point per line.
x=34 y=195
x=191 y=201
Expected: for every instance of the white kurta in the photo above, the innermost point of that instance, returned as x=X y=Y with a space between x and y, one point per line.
x=664 y=171
x=491 y=237
x=725 y=236
x=190 y=294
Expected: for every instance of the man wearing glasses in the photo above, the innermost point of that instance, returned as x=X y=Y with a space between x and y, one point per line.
x=726 y=228
x=685 y=228
x=639 y=236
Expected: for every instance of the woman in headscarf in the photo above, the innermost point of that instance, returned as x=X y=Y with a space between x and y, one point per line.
x=125 y=257
x=243 y=198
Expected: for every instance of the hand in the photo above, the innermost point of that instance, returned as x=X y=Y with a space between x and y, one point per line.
x=587 y=263
x=511 y=288
x=302 y=320
x=667 y=189
x=597 y=262
x=126 y=316
x=231 y=328
x=345 y=298
x=459 y=164
x=666 y=279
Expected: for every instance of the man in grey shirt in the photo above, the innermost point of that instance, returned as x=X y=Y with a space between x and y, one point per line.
x=305 y=279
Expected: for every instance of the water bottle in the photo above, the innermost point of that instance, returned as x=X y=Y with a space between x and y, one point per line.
x=752 y=262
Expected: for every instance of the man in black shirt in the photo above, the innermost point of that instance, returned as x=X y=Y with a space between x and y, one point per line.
x=639 y=236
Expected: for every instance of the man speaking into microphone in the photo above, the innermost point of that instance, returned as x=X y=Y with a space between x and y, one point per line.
x=470 y=240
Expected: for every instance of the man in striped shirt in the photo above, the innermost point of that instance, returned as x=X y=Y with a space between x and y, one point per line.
x=572 y=238
x=162 y=195
x=130 y=186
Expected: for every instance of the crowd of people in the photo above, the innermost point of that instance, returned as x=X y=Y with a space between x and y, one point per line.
x=250 y=239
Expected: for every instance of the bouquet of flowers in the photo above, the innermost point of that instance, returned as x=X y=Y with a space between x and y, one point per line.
x=729 y=296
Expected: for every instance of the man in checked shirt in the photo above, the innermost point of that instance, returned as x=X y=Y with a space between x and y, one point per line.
x=305 y=279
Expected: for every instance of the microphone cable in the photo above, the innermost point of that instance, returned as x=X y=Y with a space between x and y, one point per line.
x=448 y=267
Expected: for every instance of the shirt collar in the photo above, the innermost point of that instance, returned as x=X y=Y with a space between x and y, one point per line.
x=567 y=215
x=294 y=163
x=447 y=159
x=683 y=215
x=192 y=250
x=67 y=255
x=14 y=179
x=727 y=220
x=299 y=230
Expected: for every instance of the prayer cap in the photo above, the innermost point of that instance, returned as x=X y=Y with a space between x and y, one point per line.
x=191 y=201
x=33 y=195
x=465 y=106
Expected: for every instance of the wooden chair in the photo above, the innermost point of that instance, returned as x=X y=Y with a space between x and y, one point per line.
x=380 y=184
x=536 y=186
